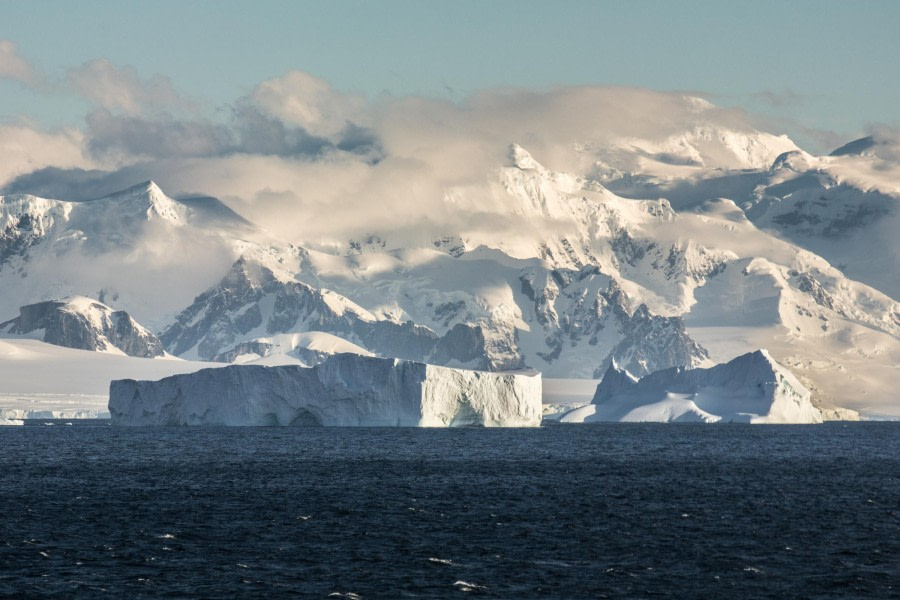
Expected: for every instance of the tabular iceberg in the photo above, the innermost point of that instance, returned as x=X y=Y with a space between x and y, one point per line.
x=752 y=388
x=344 y=390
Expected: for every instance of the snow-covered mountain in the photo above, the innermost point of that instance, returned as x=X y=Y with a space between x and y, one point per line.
x=84 y=324
x=844 y=207
x=465 y=327
x=554 y=271
x=698 y=149
x=137 y=249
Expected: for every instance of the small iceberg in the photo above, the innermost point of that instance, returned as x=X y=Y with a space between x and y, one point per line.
x=752 y=388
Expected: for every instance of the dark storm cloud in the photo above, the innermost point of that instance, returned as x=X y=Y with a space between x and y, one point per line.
x=251 y=132
x=132 y=136
x=76 y=185
x=260 y=133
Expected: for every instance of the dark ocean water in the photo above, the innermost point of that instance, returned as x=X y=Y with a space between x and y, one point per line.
x=684 y=511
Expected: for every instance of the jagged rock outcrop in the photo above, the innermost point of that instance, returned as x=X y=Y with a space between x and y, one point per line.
x=652 y=342
x=251 y=298
x=752 y=388
x=572 y=307
x=344 y=390
x=25 y=221
x=220 y=317
x=586 y=305
x=85 y=324
x=249 y=348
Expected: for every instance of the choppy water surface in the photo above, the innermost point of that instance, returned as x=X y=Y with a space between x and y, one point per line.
x=557 y=512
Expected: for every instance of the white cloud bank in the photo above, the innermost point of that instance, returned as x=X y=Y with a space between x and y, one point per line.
x=13 y=66
x=122 y=89
x=315 y=164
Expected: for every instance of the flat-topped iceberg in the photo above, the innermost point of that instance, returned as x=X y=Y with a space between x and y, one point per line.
x=752 y=388
x=346 y=389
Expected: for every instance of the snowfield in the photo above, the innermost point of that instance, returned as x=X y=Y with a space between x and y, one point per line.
x=40 y=380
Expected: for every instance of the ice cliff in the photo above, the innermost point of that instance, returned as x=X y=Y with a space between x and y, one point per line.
x=344 y=390
x=752 y=388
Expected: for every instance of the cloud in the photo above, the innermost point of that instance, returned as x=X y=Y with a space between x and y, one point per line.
x=13 y=66
x=126 y=137
x=258 y=132
x=884 y=133
x=122 y=89
x=780 y=98
x=885 y=143
x=305 y=101
x=25 y=149
x=77 y=184
x=316 y=165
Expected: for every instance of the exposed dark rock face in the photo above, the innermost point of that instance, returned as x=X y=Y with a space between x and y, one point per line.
x=26 y=227
x=652 y=342
x=467 y=344
x=219 y=317
x=571 y=307
x=84 y=324
x=251 y=347
x=807 y=284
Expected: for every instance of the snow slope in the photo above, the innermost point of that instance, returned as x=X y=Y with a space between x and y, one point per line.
x=344 y=390
x=40 y=380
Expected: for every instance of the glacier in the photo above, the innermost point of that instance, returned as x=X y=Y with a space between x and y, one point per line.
x=752 y=388
x=343 y=390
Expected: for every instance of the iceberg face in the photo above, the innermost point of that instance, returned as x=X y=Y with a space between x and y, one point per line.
x=344 y=390
x=752 y=388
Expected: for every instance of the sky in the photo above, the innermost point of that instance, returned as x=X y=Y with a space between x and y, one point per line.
x=823 y=64
x=295 y=108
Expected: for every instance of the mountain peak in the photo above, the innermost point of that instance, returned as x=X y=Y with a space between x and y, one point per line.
x=148 y=197
x=150 y=186
x=145 y=188
x=522 y=159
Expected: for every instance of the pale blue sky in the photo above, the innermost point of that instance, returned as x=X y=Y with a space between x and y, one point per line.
x=824 y=65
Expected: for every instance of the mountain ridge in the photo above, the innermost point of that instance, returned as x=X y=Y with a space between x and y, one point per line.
x=581 y=277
